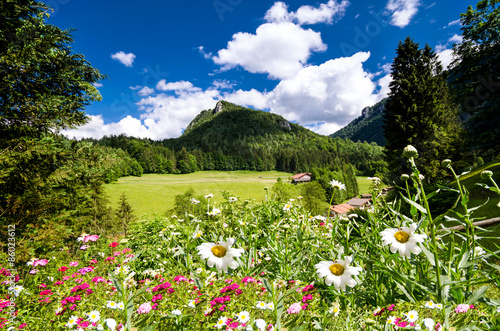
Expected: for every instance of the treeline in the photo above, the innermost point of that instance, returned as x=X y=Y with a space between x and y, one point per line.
x=147 y=156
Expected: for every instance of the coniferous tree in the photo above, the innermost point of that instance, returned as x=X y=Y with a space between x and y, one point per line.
x=124 y=213
x=475 y=76
x=419 y=111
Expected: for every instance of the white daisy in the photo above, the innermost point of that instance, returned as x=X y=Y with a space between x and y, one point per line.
x=430 y=304
x=287 y=207
x=208 y=196
x=260 y=324
x=412 y=316
x=121 y=305
x=94 y=316
x=197 y=234
x=221 y=322
x=232 y=199
x=220 y=254
x=261 y=305
x=403 y=240
x=243 y=316
x=335 y=310
x=176 y=312
x=338 y=272
x=194 y=201
x=72 y=321
x=111 y=305
x=429 y=323
x=270 y=306
x=390 y=320
x=110 y=323
x=439 y=305
x=337 y=184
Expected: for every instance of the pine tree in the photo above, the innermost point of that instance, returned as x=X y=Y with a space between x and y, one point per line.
x=419 y=111
x=124 y=213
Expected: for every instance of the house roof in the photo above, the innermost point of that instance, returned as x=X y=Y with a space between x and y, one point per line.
x=297 y=176
x=342 y=209
x=358 y=201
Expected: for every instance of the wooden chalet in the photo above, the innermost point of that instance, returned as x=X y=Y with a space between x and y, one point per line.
x=301 y=178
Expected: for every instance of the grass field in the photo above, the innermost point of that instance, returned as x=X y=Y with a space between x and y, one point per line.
x=154 y=193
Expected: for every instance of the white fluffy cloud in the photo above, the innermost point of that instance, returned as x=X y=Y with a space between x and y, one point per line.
x=445 y=56
x=325 y=13
x=178 y=87
x=402 y=11
x=126 y=59
x=97 y=129
x=145 y=91
x=333 y=92
x=278 y=49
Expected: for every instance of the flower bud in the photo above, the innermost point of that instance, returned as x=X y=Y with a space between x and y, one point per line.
x=404 y=177
x=410 y=151
x=485 y=174
x=446 y=163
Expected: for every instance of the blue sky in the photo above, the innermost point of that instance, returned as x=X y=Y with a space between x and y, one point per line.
x=315 y=63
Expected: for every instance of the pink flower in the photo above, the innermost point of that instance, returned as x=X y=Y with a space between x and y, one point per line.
x=84 y=247
x=113 y=244
x=34 y=271
x=92 y=237
x=40 y=262
x=73 y=264
x=93 y=261
x=294 y=308
x=116 y=253
x=462 y=308
x=144 y=308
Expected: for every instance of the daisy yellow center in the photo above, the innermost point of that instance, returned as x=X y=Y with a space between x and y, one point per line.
x=336 y=269
x=219 y=251
x=402 y=236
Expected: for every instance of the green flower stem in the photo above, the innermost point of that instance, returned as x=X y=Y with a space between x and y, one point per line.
x=471 y=240
x=432 y=230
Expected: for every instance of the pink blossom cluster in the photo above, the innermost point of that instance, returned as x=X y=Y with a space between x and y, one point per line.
x=399 y=322
x=85 y=270
x=157 y=297
x=463 y=308
x=98 y=279
x=67 y=300
x=231 y=287
x=145 y=308
x=248 y=279
x=92 y=237
x=379 y=312
x=80 y=287
x=40 y=262
x=164 y=286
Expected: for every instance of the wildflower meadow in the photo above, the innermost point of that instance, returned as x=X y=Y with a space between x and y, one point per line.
x=242 y=265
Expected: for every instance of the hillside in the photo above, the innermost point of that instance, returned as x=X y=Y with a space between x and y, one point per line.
x=367 y=127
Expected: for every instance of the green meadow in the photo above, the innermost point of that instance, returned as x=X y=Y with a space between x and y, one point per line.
x=154 y=193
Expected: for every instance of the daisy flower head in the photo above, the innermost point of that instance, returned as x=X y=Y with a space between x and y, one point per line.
x=192 y=304
x=243 y=316
x=429 y=323
x=439 y=305
x=260 y=324
x=221 y=322
x=270 y=306
x=338 y=272
x=110 y=323
x=220 y=254
x=176 y=312
x=410 y=151
x=391 y=320
x=120 y=305
x=94 y=316
x=412 y=316
x=232 y=199
x=287 y=207
x=335 y=310
x=72 y=321
x=209 y=196
x=337 y=184
x=111 y=305
x=403 y=240
x=430 y=304
x=261 y=305
x=197 y=234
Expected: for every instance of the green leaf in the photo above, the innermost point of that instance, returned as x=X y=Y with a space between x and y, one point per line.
x=478 y=294
x=403 y=289
x=414 y=204
x=429 y=255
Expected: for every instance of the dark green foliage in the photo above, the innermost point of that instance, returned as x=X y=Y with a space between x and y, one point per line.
x=43 y=86
x=475 y=76
x=124 y=214
x=186 y=203
x=313 y=198
x=283 y=191
x=419 y=112
x=344 y=174
x=368 y=127
x=53 y=183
